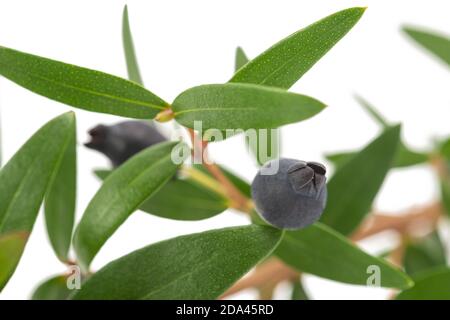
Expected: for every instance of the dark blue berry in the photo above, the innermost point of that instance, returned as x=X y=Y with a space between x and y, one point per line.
x=121 y=141
x=292 y=198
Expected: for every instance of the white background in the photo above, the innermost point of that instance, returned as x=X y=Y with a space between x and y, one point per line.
x=181 y=44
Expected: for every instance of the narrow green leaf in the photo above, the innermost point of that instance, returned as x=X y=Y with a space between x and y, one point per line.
x=79 y=87
x=242 y=106
x=321 y=251
x=128 y=46
x=24 y=180
x=286 y=61
x=404 y=157
x=240 y=59
x=438 y=44
x=11 y=248
x=370 y=109
x=181 y=199
x=265 y=145
x=445 y=194
x=60 y=200
x=354 y=186
x=432 y=285
x=196 y=266
x=425 y=254
x=444 y=149
x=120 y=195
x=298 y=292
x=54 y=288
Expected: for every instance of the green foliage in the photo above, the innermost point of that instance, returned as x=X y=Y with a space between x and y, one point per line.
x=430 y=285
x=196 y=266
x=11 y=247
x=437 y=44
x=323 y=252
x=240 y=59
x=120 y=195
x=60 y=200
x=425 y=254
x=285 y=62
x=242 y=106
x=54 y=288
x=298 y=291
x=25 y=179
x=79 y=87
x=181 y=199
x=128 y=46
x=354 y=186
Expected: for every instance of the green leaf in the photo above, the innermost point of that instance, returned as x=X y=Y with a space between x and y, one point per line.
x=432 y=285
x=425 y=254
x=52 y=289
x=404 y=157
x=438 y=44
x=24 y=180
x=240 y=59
x=354 y=186
x=120 y=195
x=444 y=149
x=286 y=61
x=182 y=199
x=242 y=106
x=196 y=266
x=79 y=87
x=445 y=194
x=128 y=47
x=298 y=292
x=60 y=200
x=321 y=251
x=11 y=248
x=370 y=109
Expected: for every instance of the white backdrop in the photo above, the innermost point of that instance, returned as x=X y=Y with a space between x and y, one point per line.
x=181 y=44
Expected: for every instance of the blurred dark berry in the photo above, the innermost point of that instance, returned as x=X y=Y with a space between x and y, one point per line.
x=121 y=141
x=292 y=198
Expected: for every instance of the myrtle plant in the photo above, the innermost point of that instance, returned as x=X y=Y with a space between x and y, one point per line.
x=298 y=222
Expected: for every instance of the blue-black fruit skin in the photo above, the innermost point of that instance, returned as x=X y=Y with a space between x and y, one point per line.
x=290 y=198
x=123 y=140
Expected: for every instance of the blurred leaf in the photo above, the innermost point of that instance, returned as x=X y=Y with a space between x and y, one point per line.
x=120 y=195
x=79 y=87
x=285 y=62
x=321 y=251
x=438 y=44
x=431 y=285
x=298 y=292
x=128 y=46
x=60 y=200
x=24 y=180
x=240 y=59
x=354 y=186
x=196 y=266
x=370 y=109
x=265 y=146
x=403 y=158
x=52 y=289
x=242 y=106
x=425 y=254
x=445 y=194
x=181 y=199
x=11 y=248
x=445 y=149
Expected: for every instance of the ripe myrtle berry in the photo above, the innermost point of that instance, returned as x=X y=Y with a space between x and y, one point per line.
x=292 y=198
x=121 y=141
